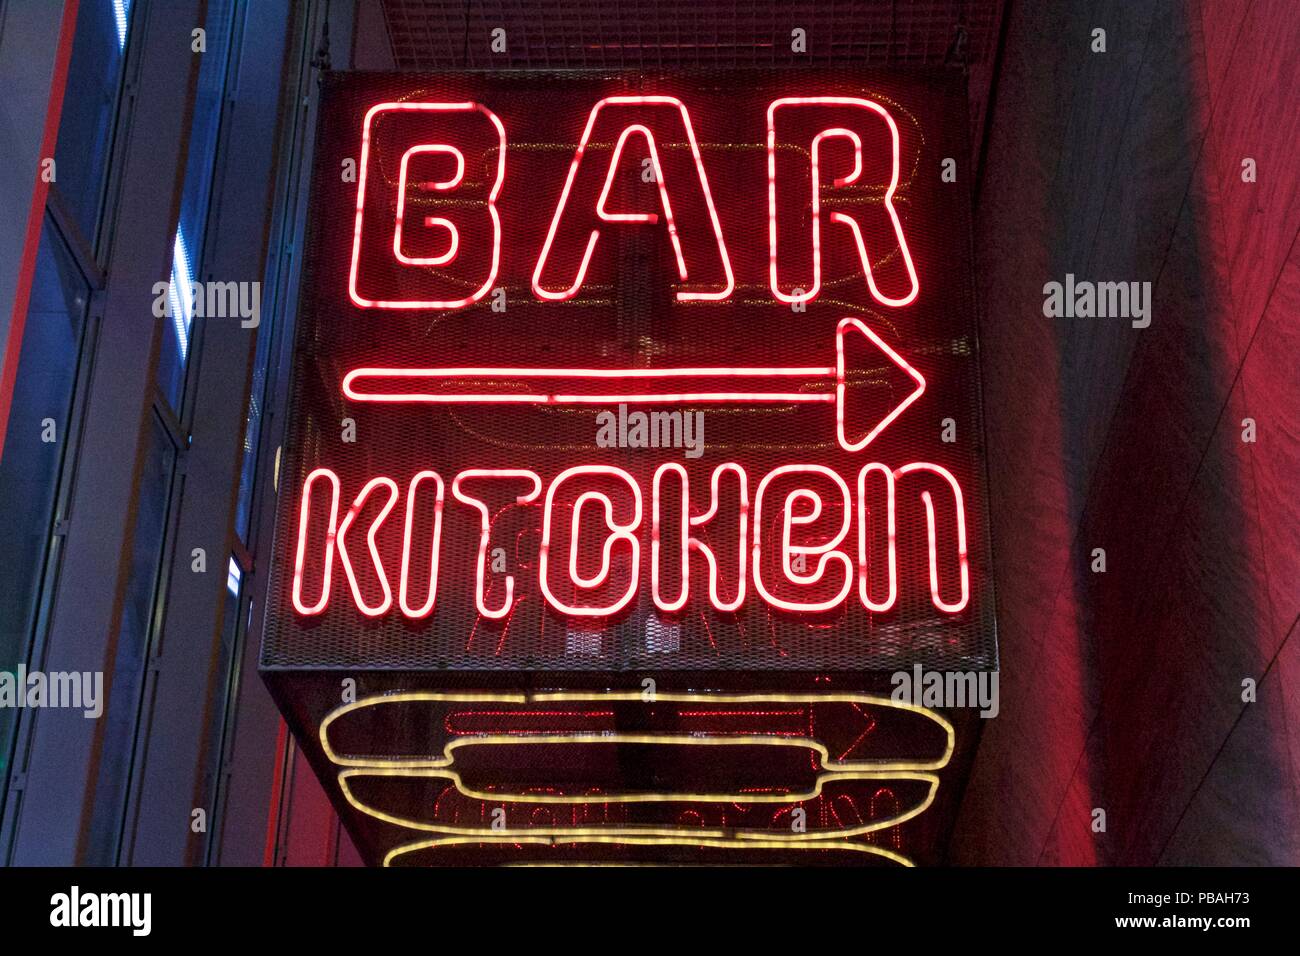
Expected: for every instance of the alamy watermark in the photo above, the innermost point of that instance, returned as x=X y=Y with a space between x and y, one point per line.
x=76 y=690
x=74 y=908
x=949 y=689
x=1100 y=300
x=674 y=429
x=219 y=300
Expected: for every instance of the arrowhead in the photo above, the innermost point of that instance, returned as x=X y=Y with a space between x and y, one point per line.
x=855 y=435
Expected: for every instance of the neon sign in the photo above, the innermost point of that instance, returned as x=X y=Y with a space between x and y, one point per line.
x=564 y=505
x=620 y=117
x=517 y=259
x=499 y=274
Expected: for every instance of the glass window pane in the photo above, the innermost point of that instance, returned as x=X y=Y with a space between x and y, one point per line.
x=187 y=246
x=90 y=108
x=133 y=643
x=222 y=711
x=253 y=429
x=34 y=447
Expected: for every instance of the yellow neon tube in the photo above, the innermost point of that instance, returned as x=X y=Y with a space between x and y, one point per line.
x=648 y=829
x=651 y=841
x=448 y=757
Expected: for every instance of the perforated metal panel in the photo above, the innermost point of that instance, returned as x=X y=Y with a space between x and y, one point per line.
x=627 y=316
x=436 y=34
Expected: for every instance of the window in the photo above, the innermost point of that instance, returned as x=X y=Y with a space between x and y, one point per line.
x=187 y=247
x=90 y=102
x=35 y=450
x=129 y=669
x=129 y=713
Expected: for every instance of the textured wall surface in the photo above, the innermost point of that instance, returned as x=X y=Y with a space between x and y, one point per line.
x=1123 y=690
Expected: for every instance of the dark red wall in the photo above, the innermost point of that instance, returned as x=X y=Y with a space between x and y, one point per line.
x=1122 y=690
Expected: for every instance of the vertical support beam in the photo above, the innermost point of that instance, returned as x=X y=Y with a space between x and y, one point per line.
x=177 y=768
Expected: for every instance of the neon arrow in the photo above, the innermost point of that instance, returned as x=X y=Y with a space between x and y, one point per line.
x=589 y=386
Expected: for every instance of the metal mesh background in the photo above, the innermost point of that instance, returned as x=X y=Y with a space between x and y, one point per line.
x=626 y=317
x=433 y=35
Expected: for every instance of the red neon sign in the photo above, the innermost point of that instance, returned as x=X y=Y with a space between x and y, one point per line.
x=826 y=103
x=622 y=104
x=468 y=113
x=820 y=495
x=452 y=386
x=653 y=119
x=605 y=376
x=512 y=263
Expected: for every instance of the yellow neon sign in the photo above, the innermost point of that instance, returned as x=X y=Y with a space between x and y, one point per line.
x=834 y=771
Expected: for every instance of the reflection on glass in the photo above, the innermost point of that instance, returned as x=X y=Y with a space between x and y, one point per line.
x=35 y=443
x=129 y=665
x=187 y=248
x=253 y=429
x=90 y=108
x=221 y=715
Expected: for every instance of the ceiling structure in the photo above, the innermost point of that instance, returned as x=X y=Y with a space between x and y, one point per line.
x=437 y=34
